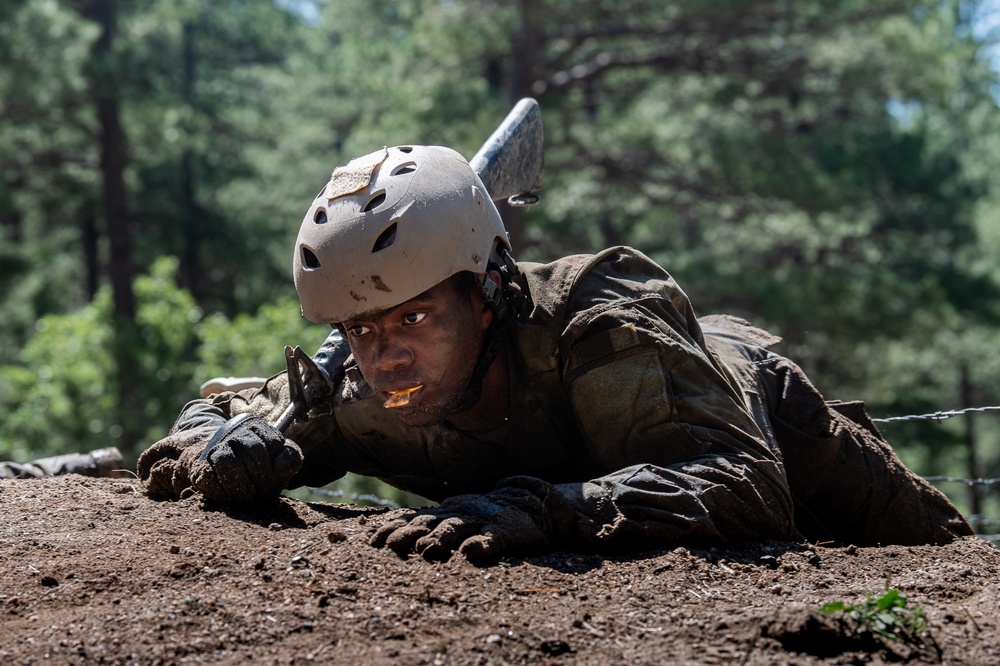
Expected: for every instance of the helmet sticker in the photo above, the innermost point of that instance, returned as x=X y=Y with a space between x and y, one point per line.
x=354 y=176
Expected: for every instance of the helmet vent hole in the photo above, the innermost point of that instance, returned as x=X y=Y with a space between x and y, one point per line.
x=406 y=149
x=320 y=216
x=385 y=239
x=375 y=202
x=409 y=167
x=309 y=258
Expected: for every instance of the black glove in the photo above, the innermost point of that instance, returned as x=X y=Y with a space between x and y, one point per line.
x=164 y=468
x=252 y=462
x=248 y=462
x=523 y=515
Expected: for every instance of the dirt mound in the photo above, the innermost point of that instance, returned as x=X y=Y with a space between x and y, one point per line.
x=95 y=572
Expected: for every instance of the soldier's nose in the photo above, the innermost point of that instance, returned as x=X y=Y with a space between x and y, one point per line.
x=391 y=355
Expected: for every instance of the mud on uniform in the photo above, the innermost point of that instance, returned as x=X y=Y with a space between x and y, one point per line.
x=657 y=427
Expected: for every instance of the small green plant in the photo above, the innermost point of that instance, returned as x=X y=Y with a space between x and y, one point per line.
x=888 y=615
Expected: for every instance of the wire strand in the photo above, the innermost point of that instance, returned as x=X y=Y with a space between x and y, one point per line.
x=938 y=416
x=968 y=482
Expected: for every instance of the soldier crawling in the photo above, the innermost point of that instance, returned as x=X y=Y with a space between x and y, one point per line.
x=577 y=403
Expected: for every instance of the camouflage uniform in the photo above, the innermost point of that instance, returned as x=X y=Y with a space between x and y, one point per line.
x=102 y=462
x=656 y=426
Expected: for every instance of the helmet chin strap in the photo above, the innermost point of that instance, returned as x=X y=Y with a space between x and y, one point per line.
x=510 y=303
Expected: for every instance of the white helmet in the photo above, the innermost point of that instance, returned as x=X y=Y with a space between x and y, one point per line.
x=389 y=226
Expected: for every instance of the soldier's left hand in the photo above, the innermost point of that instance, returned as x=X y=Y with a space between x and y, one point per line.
x=523 y=515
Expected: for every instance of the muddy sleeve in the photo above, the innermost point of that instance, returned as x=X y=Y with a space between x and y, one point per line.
x=680 y=436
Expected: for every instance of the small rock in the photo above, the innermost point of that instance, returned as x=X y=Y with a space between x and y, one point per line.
x=554 y=648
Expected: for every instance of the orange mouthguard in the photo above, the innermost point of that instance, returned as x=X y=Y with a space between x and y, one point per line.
x=400 y=398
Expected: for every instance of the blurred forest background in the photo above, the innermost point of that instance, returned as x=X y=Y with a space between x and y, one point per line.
x=825 y=168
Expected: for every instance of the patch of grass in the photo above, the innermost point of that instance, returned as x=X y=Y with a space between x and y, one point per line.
x=887 y=615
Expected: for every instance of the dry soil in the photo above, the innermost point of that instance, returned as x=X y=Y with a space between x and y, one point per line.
x=93 y=571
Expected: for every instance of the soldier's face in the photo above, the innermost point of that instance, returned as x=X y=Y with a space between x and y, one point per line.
x=431 y=341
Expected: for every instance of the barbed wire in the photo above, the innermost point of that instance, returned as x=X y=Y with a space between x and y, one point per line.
x=968 y=482
x=355 y=497
x=937 y=416
x=983 y=520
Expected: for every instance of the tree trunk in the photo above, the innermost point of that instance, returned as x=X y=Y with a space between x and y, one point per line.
x=11 y=219
x=190 y=268
x=112 y=157
x=121 y=271
x=91 y=258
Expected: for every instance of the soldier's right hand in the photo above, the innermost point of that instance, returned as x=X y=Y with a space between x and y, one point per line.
x=252 y=462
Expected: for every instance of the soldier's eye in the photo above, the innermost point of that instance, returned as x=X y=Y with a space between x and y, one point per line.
x=356 y=330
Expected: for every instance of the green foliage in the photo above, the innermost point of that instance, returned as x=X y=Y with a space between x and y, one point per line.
x=59 y=394
x=203 y=81
x=56 y=397
x=250 y=344
x=46 y=181
x=887 y=615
